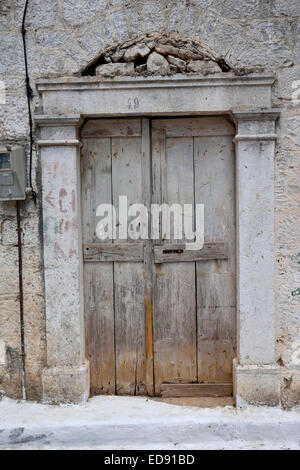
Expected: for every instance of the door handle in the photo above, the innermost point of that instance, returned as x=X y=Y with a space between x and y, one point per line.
x=167 y=252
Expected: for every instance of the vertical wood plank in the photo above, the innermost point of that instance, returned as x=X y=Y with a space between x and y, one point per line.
x=148 y=259
x=158 y=154
x=96 y=183
x=98 y=277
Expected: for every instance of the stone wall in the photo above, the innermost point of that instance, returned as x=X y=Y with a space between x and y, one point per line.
x=63 y=37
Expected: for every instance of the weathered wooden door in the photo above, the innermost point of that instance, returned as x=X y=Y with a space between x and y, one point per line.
x=115 y=162
x=160 y=318
x=194 y=293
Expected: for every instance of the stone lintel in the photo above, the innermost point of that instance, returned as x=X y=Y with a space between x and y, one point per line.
x=227 y=79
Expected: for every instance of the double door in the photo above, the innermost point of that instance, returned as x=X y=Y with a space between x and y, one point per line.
x=159 y=318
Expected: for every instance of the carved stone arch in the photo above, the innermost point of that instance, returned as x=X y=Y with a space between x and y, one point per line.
x=156 y=54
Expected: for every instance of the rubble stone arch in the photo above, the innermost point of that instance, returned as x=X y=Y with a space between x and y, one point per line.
x=156 y=54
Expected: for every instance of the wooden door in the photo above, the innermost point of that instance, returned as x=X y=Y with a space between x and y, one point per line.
x=115 y=162
x=194 y=312
x=159 y=319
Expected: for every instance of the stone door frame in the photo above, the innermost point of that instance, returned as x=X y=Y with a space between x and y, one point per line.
x=66 y=102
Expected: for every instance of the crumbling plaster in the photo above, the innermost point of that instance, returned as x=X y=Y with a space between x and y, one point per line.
x=63 y=36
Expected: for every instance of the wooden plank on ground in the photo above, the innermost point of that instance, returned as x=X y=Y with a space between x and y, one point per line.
x=197 y=390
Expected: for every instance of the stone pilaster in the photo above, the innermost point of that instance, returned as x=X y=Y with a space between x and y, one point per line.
x=66 y=378
x=256 y=375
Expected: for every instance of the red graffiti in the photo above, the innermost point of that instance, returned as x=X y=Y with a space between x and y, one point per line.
x=58 y=252
x=49 y=198
x=62 y=195
x=73 y=201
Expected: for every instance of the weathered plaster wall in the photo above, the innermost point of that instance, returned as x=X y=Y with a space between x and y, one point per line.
x=63 y=36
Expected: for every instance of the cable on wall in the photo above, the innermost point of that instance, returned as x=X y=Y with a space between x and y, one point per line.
x=21 y=294
x=29 y=94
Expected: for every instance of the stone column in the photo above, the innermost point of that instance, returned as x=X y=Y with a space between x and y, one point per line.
x=66 y=378
x=256 y=375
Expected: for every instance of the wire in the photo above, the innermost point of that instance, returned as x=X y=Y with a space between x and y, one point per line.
x=29 y=94
x=22 y=327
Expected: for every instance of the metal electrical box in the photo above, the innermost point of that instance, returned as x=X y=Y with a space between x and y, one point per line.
x=12 y=174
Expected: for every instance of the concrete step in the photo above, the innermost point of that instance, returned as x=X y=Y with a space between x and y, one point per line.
x=110 y=422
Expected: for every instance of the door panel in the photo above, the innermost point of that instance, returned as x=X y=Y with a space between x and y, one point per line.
x=174 y=314
x=216 y=300
x=129 y=328
x=112 y=166
x=98 y=277
x=194 y=306
x=128 y=277
x=99 y=326
x=174 y=324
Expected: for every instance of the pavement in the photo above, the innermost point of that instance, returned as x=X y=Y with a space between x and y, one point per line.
x=130 y=423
